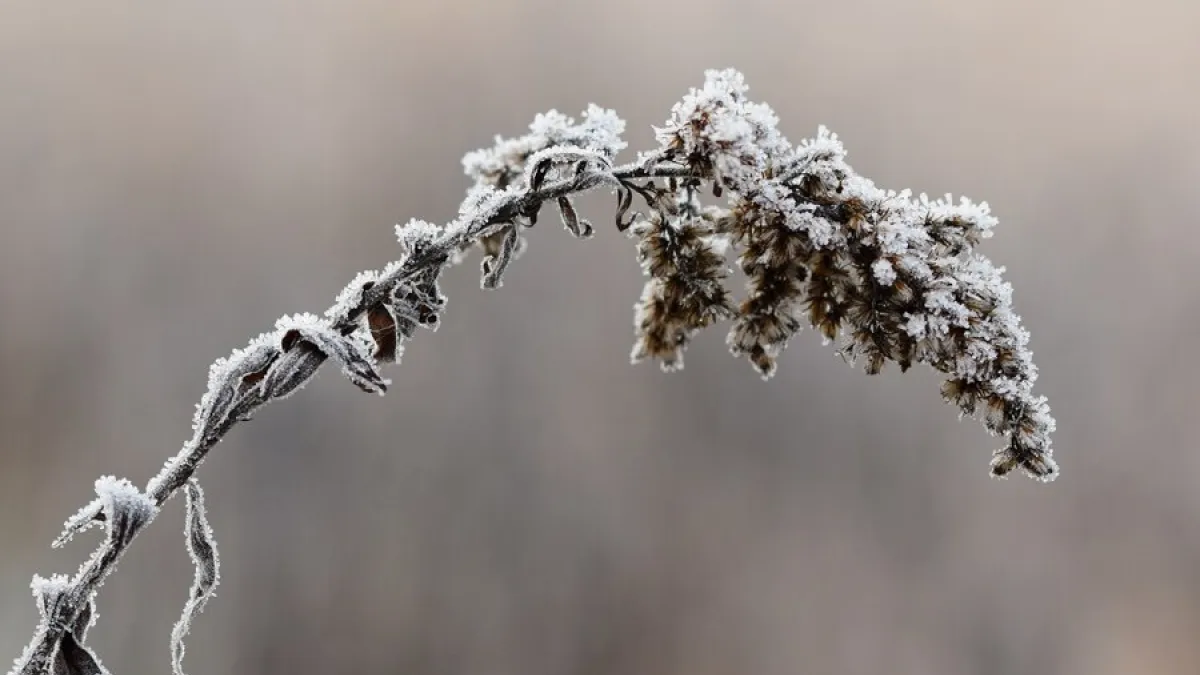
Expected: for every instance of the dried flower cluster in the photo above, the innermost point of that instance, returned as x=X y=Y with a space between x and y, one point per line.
x=683 y=253
x=894 y=278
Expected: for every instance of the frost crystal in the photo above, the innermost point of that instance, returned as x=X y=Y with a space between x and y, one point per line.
x=349 y=299
x=48 y=587
x=417 y=234
x=48 y=591
x=884 y=272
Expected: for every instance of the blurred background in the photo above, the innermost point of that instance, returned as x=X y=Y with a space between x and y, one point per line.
x=175 y=175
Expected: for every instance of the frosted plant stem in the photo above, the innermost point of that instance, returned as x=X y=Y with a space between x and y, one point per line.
x=895 y=279
x=180 y=468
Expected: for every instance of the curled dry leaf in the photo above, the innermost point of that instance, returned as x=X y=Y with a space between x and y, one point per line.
x=540 y=163
x=494 y=266
x=202 y=549
x=580 y=228
x=232 y=378
x=349 y=352
x=624 y=201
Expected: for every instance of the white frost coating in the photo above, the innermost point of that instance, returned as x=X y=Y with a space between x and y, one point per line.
x=351 y=295
x=825 y=147
x=391 y=268
x=305 y=321
x=976 y=219
x=55 y=583
x=119 y=495
x=916 y=326
x=482 y=202
x=884 y=272
x=823 y=232
x=83 y=519
x=558 y=156
x=503 y=164
x=718 y=122
x=46 y=591
x=416 y=233
x=214 y=406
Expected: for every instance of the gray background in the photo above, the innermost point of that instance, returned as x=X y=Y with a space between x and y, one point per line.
x=175 y=175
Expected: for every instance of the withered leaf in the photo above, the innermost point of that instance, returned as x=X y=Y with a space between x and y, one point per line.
x=357 y=365
x=383 y=326
x=202 y=549
x=580 y=228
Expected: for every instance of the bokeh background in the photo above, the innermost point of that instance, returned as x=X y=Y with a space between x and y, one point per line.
x=175 y=175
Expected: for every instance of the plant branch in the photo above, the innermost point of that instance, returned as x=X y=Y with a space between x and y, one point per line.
x=896 y=279
x=304 y=363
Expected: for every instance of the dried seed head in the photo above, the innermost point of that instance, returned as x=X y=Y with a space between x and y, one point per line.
x=685 y=262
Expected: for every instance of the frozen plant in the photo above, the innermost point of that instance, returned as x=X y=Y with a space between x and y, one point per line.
x=889 y=276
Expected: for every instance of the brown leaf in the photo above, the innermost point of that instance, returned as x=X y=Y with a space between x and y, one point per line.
x=383 y=331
